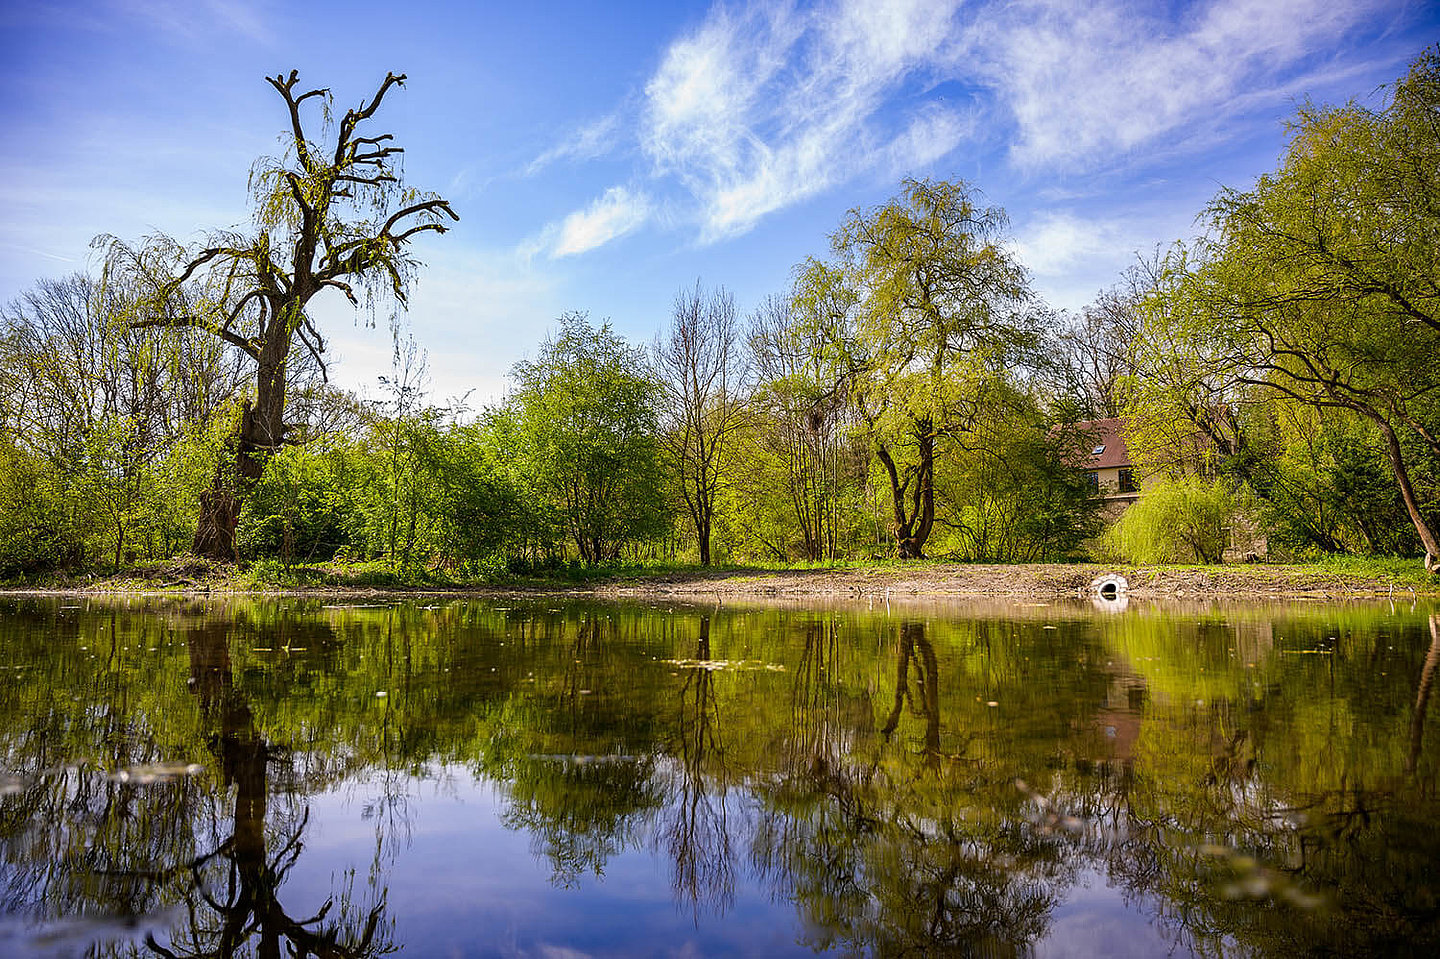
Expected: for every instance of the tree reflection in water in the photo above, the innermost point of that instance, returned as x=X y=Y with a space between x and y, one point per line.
x=895 y=786
x=696 y=827
x=150 y=846
x=236 y=895
x=893 y=850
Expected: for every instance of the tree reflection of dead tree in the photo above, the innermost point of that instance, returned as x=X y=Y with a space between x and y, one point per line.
x=914 y=646
x=698 y=833
x=249 y=907
x=1422 y=695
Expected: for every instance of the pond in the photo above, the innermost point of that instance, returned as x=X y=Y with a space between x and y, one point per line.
x=545 y=778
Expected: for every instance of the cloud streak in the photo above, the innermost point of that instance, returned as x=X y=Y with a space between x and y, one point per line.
x=759 y=110
x=763 y=106
x=616 y=213
x=1084 y=83
x=589 y=142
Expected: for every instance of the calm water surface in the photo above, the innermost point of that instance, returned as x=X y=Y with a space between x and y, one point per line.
x=537 y=779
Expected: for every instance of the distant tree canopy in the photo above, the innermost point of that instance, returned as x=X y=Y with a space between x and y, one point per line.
x=587 y=431
x=924 y=310
x=701 y=372
x=906 y=395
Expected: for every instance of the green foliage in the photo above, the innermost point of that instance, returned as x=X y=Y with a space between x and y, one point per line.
x=1175 y=521
x=477 y=495
x=39 y=528
x=898 y=396
x=923 y=310
x=303 y=508
x=1319 y=286
x=1011 y=495
x=584 y=420
x=797 y=484
x=1329 y=486
x=439 y=502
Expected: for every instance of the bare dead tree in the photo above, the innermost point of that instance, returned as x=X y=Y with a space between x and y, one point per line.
x=326 y=218
x=702 y=368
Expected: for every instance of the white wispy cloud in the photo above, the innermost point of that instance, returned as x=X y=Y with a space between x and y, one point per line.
x=1073 y=254
x=760 y=109
x=589 y=142
x=1084 y=82
x=617 y=212
x=1055 y=243
x=765 y=105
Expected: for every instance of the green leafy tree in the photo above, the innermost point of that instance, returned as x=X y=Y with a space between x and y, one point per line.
x=305 y=506
x=1011 y=494
x=1329 y=483
x=1321 y=285
x=922 y=306
x=39 y=527
x=589 y=434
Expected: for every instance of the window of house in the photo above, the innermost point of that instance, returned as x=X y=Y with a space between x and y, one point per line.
x=1092 y=479
x=1127 y=481
x=1098 y=450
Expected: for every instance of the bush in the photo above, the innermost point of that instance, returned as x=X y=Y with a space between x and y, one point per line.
x=1174 y=521
x=300 y=509
x=38 y=528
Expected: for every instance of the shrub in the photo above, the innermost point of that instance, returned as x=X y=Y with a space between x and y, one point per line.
x=1175 y=521
x=38 y=529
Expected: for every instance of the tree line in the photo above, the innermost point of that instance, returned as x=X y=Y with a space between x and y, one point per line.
x=909 y=394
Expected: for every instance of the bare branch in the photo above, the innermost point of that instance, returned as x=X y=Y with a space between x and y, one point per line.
x=420 y=228
x=315 y=350
x=376 y=180
x=285 y=86
x=433 y=206
x=343 y=287
x=354 y=117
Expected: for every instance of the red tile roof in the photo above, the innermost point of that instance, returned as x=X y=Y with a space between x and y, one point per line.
x=1107 y=433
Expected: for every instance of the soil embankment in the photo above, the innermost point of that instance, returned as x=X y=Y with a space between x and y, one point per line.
x=921 y=581
x=1036 y=580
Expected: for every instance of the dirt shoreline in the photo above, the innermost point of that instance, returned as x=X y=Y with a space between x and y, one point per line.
x=1034 y=581
x=921 y=581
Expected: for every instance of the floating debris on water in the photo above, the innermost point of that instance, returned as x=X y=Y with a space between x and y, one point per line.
x=155 y=772
x=581 y=759
x=731 y=664
x=1253 y=881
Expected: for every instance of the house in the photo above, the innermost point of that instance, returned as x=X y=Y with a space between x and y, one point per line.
x=1107 y=465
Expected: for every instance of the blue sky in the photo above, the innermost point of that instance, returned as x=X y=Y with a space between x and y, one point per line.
x=604 y=155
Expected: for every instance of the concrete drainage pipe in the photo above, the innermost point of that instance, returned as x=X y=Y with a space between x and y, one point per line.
x=1109 y=589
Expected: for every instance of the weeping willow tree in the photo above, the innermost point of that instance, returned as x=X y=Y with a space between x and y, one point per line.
x=329 y=214
x=1320 y=287
x=925 y=310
